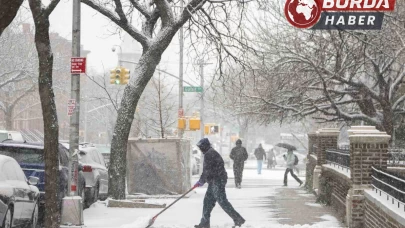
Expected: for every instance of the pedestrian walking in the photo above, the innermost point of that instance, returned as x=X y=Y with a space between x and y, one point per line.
x=215 y=175
x=291 y=160
x=260 y=154
x=239 y=155
x=271 y=159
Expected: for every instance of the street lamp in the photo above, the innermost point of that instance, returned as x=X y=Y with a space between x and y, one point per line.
x=120 y=54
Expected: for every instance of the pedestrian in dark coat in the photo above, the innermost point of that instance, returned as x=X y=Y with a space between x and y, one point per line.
x=260 y=154
x=215 y=175
x=271 y=159
x=239 y=155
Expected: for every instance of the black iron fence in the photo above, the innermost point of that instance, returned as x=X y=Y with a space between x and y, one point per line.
x=396 y=157
x=339 y=157
x=390 y=184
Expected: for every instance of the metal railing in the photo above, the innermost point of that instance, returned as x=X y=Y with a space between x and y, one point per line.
x=339 y=157
x=396 y=157
x=390 y=184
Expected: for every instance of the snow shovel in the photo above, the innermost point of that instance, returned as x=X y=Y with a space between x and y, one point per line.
x=152 y=220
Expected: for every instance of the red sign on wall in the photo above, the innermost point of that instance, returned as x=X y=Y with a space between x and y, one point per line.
x=77 y=65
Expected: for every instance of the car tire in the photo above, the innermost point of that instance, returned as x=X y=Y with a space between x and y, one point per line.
x=96 y=192
x=84 y=200
x=8 y=219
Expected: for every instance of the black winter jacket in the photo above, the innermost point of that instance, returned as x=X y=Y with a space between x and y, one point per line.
x=239 y=154
x=213 y=168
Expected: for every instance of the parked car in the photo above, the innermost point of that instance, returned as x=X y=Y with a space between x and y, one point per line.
x=30 y=157
x=95 y=173
x=11 y=135
x=18 y=197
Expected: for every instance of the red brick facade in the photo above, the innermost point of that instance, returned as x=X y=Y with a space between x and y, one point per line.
x=375 y=217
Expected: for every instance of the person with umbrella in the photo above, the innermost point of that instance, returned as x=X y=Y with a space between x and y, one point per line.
x=215 y=174
x=239 y=155
x=290 y=159
x=259 y=153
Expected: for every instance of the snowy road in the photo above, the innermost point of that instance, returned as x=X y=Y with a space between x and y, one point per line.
x=262 y=201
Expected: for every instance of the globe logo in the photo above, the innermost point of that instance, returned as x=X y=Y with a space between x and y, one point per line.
x=302 y=13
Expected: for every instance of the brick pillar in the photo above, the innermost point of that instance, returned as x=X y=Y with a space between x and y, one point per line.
x=368 y=148
x=326 y=138
x=310 y=161
x=311 y=142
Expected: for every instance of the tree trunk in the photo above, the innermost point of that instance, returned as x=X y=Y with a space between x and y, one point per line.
x=9 y=120
x=51 y=128
x=8 y=10
x=132 y=93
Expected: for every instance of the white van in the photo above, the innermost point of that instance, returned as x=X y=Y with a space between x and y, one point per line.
x=11 y=135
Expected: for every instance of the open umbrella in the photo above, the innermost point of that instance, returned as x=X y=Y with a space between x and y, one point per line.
x=286 y=146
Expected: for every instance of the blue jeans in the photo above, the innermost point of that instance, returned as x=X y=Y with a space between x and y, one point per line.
x=259 y=166
x=216 y=193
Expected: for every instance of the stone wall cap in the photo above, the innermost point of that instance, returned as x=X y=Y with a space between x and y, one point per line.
x=370 y=138
x=328 y=131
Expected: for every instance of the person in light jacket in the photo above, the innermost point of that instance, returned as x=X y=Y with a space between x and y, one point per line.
x=290 y=160
x=260 y=156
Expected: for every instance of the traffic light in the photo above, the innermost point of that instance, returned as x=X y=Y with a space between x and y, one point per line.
x=210 y=129
x=194 y=124
x=115 y=76
x=124 y=76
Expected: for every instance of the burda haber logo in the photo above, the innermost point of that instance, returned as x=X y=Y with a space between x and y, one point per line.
x=338 y=14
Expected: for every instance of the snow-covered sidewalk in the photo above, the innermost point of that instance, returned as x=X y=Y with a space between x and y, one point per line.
x=262 y=201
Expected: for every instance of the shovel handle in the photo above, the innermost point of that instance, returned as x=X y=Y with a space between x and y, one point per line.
x=174 y=202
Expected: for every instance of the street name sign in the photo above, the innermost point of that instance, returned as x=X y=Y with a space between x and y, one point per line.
x=197 y=89
x=77 y=65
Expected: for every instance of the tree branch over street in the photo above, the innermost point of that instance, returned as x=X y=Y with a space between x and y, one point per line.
x=159 y=22
x=329 y=75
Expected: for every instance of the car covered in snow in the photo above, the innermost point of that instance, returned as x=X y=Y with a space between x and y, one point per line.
x=18 y=196
x=11 y=135
x=94 y=171
x=30 y=157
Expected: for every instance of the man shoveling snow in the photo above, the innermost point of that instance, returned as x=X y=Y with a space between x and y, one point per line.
x=215 y=175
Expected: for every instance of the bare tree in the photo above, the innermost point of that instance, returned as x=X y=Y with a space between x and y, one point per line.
x=160 y=22
x=328 y=75
x=41 y=15
x=17 y=71
x=157 y=106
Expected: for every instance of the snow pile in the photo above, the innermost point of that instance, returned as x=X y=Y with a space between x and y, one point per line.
x=142 y=222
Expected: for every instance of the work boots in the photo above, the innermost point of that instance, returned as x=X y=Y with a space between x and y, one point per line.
x=239 y=223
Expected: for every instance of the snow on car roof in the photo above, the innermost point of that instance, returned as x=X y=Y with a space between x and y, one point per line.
x=4 y=158
x=23 y=144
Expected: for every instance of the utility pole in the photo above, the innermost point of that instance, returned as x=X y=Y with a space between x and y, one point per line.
x=181 y=110
x=201 y=63
x=75 y=95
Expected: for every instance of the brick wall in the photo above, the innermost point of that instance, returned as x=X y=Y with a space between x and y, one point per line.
x=325 y=142
x=375 y=217
x=334 y=188
x=363 y=157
